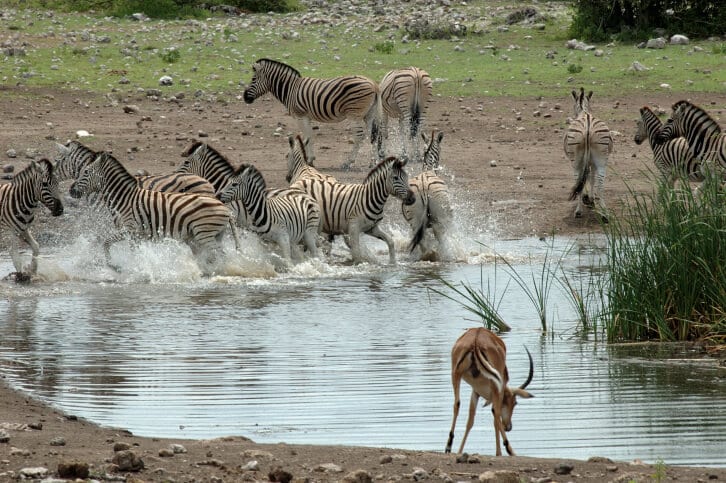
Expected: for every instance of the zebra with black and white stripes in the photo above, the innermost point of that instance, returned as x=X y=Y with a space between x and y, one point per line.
x=588 y=144
x=432 y=208
x=298 y=166
x=74 y=156
x=34 y=185
x=706 y=141
x=286 y=220
x=198 y=220
x=307 y=99
x=672 y=158
x=352 y=209
x=404 y=94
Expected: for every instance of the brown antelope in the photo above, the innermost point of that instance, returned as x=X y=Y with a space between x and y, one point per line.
x=479 y=357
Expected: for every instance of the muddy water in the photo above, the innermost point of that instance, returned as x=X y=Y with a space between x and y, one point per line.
x=328 y=353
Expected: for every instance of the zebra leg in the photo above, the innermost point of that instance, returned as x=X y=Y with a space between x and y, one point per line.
x=358 y=137
x=27 y=237
x=307 y=130
x=381 y=235
x=353 y=242
x=310 y=238
x=15 y=253
x=235 y=234
x=107 y=249
x=599 y=188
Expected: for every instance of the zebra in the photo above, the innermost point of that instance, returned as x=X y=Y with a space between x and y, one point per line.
x=672 y=157
x=587 y=144
x=198 y=220
x=37 y=183
x=404 y=93
x=352 y=209
x=298 y=166
x=432 y=208
x=286 y=220
x=74 y=156
x=309 y=99
x=706 y=141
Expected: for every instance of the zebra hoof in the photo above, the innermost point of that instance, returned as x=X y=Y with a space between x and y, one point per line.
x=21 y=277
x=587 y=201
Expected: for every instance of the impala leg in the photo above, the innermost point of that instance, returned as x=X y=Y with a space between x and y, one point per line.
x=456 y=382
x=470 y=420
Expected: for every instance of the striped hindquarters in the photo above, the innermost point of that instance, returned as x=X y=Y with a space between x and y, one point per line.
x=177 y=183
x=296 y=211
x=404 y=93
x=587 y=141
x=432 y=205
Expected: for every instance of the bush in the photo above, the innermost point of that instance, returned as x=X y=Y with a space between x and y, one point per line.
x=170 y=55
x=574 y=68
x=440 y=30
x=598 y=20
x=384 y=47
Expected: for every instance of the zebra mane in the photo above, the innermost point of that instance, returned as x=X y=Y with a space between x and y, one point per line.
x=26 y=174
x=254 y=174
x=48 y=165
x=282 y=64
x=384 y=165
x=709 y=124
x=192 y=147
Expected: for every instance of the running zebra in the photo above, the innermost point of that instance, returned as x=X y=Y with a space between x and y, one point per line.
x=298 y=166
x=706 y=141
x=74 y=156
x=286 y=220
x=352 y=209
x=37 y=183
x=587 y=143
x=672 y=157
x=404 y=93
x=198 y=220
x=432 y=208
x=322 y=100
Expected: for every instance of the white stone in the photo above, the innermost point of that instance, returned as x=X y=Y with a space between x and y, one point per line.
x=34 y=472
x=493 y=163
x=82 y=133
x=679 y=39
x=166 y=80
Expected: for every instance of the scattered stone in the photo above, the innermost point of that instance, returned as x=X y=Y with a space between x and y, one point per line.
x=563 y=469
x=166 y=80
x=526 y=14
x=385 y=459
x=328 y=468
x=251 y=466
x=4 y=436
x=11 y=153
x=679 y=39
x=419 y=474
x=73 y=469
x=358 y=476
x=611 y=468
x=177 y=448
x=202 y=134
x=82 y=133
x=599 y=459
x=121 y=446
x=127 y=460
x=665 y=86
x=166 y=453
x=598 y=53
x=493 y=164
x=280 y=475
x=578 y=45
x=139 y=17
x=473 y=460
x=58 y=441
x=36 y=472
x=500 y=476
x=637 y=67
x=658 y=43
x=131 y=109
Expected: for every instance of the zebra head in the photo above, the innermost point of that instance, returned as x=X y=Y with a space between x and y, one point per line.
x=269 y=76
x=49 y=187
x=91 y=177
x=674 y=126
x=71 y=158
x=297 y=157
x=194 y=156
x=234 y=190
x=260 y=83
x=582 y=101
x=396 y=179
x=640 y=133
x=669 y=131
x=432 y=153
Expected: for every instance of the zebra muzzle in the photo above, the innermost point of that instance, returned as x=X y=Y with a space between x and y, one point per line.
x=410 y=198
x=57 y=208
x=75 y=192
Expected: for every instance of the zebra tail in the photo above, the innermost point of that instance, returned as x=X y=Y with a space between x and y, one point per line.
x=418 y=234
x=415 y=119
x=580 y=185
x=376 y=132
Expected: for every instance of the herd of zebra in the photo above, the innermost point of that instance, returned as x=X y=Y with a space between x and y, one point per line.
x=207 y=194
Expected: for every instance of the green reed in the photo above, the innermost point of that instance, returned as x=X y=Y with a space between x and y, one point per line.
x=667 y=265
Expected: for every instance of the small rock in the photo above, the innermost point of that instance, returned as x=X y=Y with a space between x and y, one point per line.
x=665 y=86
x=280 y=476
x=73 y=469
x=177 y=448
x=637 y=67
x=36 y=426
x=131 y=109
x=658 y=43
x=611 y=468
x=473 y=460
x=11 y=153
x=500 y=476
x=127 y=460
x=36 y=472
x=463 y=457
x=679 y=39
x=563 y=469
x=385 y=459
x=166 y=453
x=121 y=446
x=358 y=476
x=598 y=53
x=58 y=441
x=82 y=133
x=251 y=466
x=328 y=468
x=419 y=474
x=493 y=163
x=202 y=134
x=19 y=451
x=4 y=436
x=166 y=80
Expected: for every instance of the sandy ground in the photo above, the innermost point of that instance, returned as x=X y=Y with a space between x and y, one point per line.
x=525 y=193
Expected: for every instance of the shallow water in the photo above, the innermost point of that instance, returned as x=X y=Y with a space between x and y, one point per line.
x=329 y=353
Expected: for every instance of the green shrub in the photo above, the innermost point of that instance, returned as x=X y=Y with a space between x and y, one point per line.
x=170 y=55
x=384 y=47
x=440 y=30
x=574 y=68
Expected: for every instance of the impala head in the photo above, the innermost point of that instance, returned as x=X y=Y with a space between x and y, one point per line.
x=509 y=399
x=582 y=101
x=49 y=187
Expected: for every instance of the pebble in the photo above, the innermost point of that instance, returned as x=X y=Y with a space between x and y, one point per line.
x=73 y=469
x=121 y=446
x=82 y=133
x=19 y=451
x=127 y=460
x=419 y=474
x=328 y=468
x=11 y=153
x=4 y=436
x=35 y=472
x=358 y=476
x=166 y=80
x=493 y=164
x=563 y=469
x=166 y=453
x=131 y=109
x=58 y=441
x=177 y=448
x=500 y=476
x=253 y=465
x=280 y=475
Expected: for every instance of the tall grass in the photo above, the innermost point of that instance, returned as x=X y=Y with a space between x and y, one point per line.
x=666 y=262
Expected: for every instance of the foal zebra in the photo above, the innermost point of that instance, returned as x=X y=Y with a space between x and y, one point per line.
x=322 y=100
x=587 y=143
x=404 y=93
x=352 y=209
x=672 y=157
x=706 y=141
x=37 y=183
x=432 y=208
x=298 y=166
x=198 y=220
x=74 y=156
x=286 y=220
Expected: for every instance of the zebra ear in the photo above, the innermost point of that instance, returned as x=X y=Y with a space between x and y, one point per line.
x=574 y=94
x=62 y=148
x=440 y=136
x=589 y=95
x=291 y=140
x=425 y=139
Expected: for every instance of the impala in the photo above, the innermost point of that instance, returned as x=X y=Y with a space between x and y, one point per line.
x=479 y=357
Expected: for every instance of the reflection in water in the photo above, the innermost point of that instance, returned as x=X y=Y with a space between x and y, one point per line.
x=343 y=355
